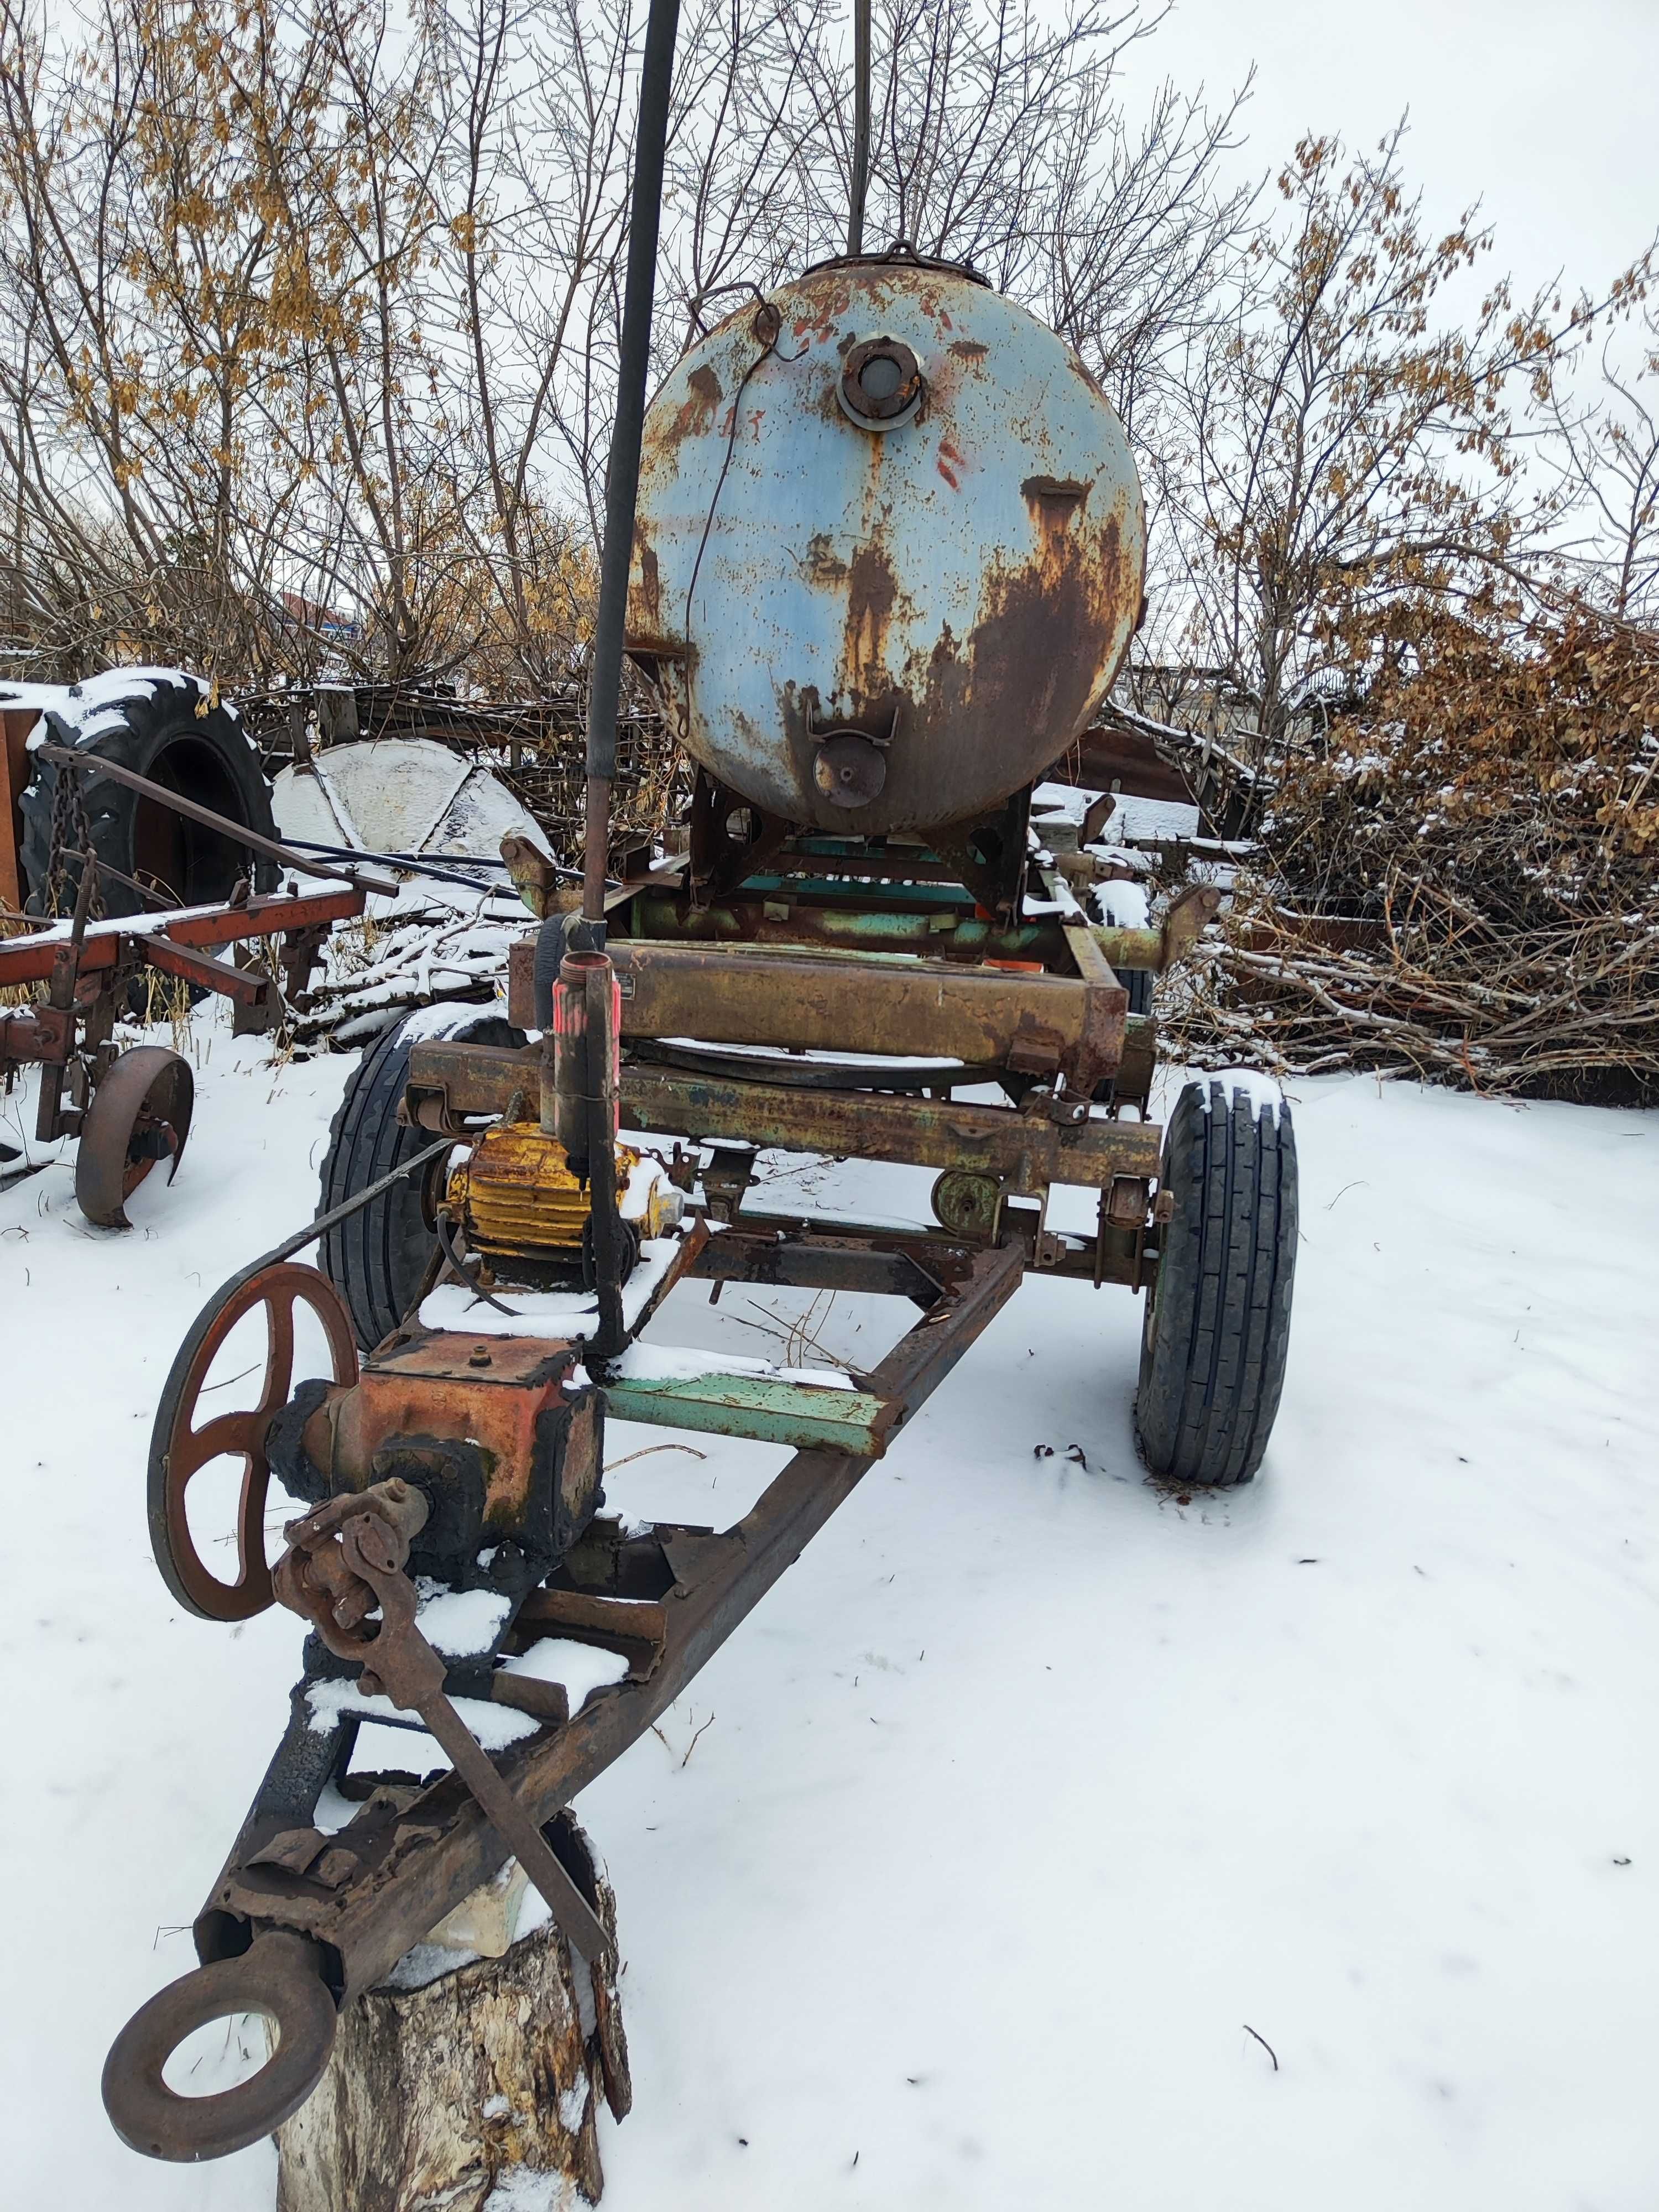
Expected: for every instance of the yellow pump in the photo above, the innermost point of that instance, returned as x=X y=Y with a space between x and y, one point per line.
x=515 y=1197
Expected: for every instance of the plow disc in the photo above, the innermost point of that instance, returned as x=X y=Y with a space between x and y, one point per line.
x=140 y=1113
x=179 y=1450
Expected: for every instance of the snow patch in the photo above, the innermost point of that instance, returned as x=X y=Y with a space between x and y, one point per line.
x=1122 y=906
x=558 y=1315
x=462 y=1623
x=582 y=1667
x=1149 y=821
x=1263 y=1092
x=668 y=1362
x=442 y=1020
x=522 y=2191
x=1070 y=802
x=495 y=1726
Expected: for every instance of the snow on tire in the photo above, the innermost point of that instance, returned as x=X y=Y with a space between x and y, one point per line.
x=158 y=722
x=1218 y=1316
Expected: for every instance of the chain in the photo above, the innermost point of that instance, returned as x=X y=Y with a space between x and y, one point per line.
x=71 y=833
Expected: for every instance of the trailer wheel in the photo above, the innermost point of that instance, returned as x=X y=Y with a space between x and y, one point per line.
x=376 y=1260
x=1218 y=1314
x=158 y=732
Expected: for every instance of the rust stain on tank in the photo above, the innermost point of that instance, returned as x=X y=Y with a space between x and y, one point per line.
x=1029 y=656
x=821 y=563
x=951 y=464
x=696 y=414
x=968 y=350
x=872 y=595
x=830 y=305
x=1054 y=501
x=1066 y=492
x=647 y=592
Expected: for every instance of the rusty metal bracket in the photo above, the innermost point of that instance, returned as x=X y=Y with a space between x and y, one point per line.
x=196 y=969
x=31 y=1033
x=991 y=855
x=720 y=860
x=345 y=1560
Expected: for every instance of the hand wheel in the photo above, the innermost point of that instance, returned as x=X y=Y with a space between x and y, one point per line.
x=179 y=1450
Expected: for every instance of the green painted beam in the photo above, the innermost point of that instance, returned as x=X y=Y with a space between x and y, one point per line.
x=762 y=1407
x=852 y=931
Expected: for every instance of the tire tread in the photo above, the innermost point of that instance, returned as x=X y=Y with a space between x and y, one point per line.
x=1218 y=1326
x=376 y=1258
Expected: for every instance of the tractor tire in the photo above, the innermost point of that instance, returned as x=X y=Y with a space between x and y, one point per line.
x=1138 y=982
x=157 y=730
x=1218 y=1314
x=377 y=1258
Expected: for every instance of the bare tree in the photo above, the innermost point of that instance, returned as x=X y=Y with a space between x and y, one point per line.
x=1605 y=454
x=1348 y=446
x=309 y=310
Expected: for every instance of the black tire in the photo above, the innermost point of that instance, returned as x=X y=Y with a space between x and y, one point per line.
x=1217 y=1321
x=376 y=1260
x=157 y=733
x=1138 y=982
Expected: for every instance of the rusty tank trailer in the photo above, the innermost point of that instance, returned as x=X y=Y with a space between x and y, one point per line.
x=860 y=952
x=889 y=549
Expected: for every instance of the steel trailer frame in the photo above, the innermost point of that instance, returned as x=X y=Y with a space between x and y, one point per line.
x=294 y=1911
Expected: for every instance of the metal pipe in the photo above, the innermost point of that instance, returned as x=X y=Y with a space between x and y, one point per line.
x=860 y=124
x=602 y=1044
x=622 y=486
x=564 y=1100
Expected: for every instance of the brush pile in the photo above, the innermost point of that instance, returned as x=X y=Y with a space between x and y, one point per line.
x=375 y=971
x=1461 y=879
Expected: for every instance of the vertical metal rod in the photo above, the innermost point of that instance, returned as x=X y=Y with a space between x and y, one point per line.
x=860 y=124
x=622 y=486
x=600 y=1043
x=66 y=970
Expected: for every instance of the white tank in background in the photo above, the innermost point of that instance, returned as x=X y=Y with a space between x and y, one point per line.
x=407 y=796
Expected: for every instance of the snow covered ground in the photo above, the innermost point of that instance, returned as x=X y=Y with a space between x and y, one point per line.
x=1028 y=1793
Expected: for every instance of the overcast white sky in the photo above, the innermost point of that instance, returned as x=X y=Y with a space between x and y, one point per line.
x=1548 y=110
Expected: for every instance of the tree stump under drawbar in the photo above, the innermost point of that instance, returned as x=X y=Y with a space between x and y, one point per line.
x=433 y=2094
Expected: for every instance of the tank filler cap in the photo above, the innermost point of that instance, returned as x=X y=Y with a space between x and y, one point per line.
x=850 y=766
x=881 y=384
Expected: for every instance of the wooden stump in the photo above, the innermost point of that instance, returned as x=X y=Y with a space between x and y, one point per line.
x=435 y=2092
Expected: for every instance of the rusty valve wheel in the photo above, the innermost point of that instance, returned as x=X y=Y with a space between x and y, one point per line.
x=179 y=1450
x=140 y=1113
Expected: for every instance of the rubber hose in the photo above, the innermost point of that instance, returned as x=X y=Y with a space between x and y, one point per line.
x=560 y=933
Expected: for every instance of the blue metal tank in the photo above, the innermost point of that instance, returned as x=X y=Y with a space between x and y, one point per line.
x=889 y=548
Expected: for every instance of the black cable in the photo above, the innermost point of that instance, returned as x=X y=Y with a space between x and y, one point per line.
x=441 y=1223
x=438 y=872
